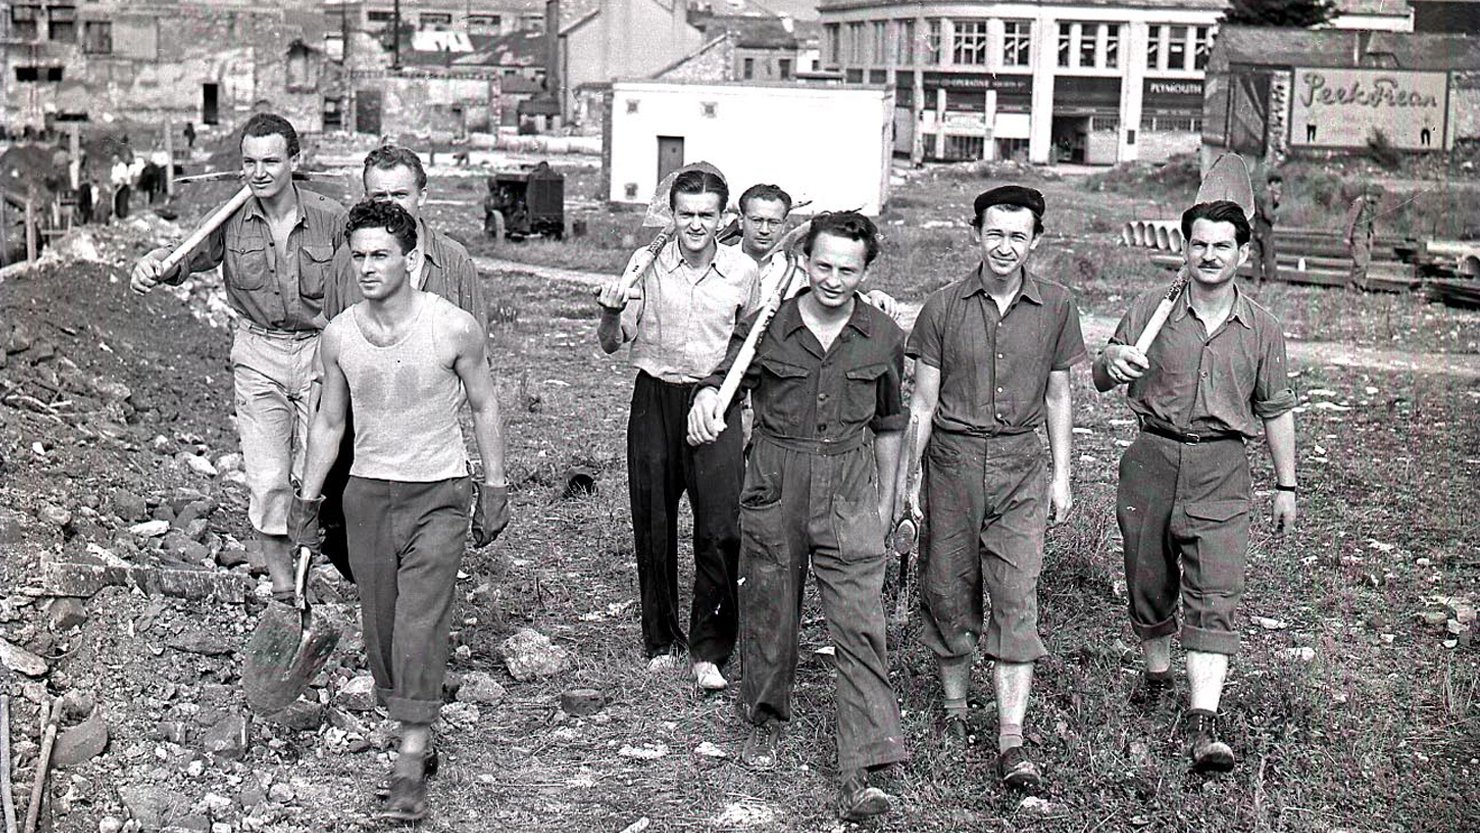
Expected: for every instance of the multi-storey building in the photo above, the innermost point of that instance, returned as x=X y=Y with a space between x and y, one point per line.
x=1048 y=80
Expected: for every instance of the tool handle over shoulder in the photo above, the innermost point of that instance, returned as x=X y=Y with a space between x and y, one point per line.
x=213 y=222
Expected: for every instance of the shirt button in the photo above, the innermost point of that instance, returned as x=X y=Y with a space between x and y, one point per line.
x=1203 y=374
x=1000 y=356
x=999 y=416
x=821 y=426
x=821 y=397
x=999 y=390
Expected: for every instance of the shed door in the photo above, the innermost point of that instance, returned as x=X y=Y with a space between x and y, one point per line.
x=670 y=155
x=367 y=111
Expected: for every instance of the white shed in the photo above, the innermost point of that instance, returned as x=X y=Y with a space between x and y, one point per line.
x=830 y=145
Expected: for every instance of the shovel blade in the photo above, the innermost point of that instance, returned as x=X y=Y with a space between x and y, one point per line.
x=284 y=655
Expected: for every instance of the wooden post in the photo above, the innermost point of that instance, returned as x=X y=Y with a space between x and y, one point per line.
x=169 y=167
x=31 y=227
x=74 y=169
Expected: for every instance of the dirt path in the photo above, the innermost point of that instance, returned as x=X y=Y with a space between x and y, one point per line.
x=1097 y=328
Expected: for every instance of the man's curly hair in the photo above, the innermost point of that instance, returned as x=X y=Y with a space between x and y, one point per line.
x=387 y=215
x=849 y=225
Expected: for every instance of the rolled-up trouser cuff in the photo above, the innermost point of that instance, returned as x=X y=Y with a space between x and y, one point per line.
x=1209 y=642
x=413 y=711
x=876 y=754
x=1166 y=627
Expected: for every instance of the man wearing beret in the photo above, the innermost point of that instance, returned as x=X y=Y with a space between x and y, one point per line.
x=992 y=357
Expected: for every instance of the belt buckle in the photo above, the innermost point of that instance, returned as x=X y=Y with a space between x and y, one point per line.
x=1191 y=439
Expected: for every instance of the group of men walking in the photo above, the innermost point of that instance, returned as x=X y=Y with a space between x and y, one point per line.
x=374 y=313
x=827 y=468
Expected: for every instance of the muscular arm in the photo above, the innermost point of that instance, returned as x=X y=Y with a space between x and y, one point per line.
x=1058 y=406
x=471 y=365
x=327 y=428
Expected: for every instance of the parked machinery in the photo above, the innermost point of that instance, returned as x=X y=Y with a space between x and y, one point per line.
x=525 y=202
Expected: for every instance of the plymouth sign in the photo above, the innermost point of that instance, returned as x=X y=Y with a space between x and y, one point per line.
x=1343 y=108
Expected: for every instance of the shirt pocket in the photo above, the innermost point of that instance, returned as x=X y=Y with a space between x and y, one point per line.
x=315 y=263
x=246 y=265
x=861 y=396
x=782 y=396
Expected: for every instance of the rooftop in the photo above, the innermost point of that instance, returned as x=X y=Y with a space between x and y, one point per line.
x=1341 y=48
x=1178 y=5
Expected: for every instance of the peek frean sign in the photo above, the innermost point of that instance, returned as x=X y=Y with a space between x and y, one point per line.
x=1342 y=108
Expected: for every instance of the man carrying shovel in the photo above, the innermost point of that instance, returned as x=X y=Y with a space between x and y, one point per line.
x=404 y=359
x=690 y=300
x=1201 y=387
x=275 y=252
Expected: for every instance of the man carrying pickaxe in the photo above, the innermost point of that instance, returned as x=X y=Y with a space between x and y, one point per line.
x=688 y=300
x=275 y=245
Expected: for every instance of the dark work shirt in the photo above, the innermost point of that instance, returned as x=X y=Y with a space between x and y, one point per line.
x=994 y=368
x=280 y=290
x=801 y=391
x=448 y=271
x=1202 y=384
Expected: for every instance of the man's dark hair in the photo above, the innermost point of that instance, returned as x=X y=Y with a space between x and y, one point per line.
x=268 y=124
x=387 y=215
x=764 y=192
x=1274 y=176
x=849 y=225
x=1218 y=211
x=387 y=157
x=698 y=181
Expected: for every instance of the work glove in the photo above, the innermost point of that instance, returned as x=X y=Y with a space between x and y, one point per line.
x=303 y=523
x=490 y=512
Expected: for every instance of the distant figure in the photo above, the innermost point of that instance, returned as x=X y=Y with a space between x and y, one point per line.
x=1361 y=219
x=190 y=134
x=118 y=177
x=1266 y=209
x=85 y=200
x=493 y=203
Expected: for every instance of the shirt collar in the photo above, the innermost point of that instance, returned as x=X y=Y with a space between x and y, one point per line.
x=789 y=317
x=1242 y=311
x=254 y=207
x=976 y=282
x=669 y=259
x=426 y=240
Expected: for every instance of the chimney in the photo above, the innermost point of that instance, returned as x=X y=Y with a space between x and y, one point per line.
x=787 y=23
x=552 y=48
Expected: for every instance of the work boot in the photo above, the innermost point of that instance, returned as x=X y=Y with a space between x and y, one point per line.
x=857 y=800
x=954 y=731
x=1208 y=754
x=407 y=799
x=1018 y=771
x=1153 y=690
x=759 y=750
x=708 y=678
x=429 y=766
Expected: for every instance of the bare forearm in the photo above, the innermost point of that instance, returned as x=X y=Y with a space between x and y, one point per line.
x=488 y=430
x=1280 y=433
x=1060 y=420
x=324 y=437
x=886 y=458
x=1101 y=373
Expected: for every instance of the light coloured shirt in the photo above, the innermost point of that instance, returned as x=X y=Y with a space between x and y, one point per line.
x=680 y=328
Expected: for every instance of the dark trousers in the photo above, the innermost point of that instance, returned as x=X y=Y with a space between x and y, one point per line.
x=406 y=541
x=1183 y=511
x=799 y=506
x=120 y=202
x=661 y=466
x=1264 y=254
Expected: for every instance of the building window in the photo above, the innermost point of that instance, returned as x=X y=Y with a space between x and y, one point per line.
x=709 y=108
x=1088 y=35
x=38 y=73
x=964 y=148
x=1066 y=44
x=747 y=70
x=970 y=46
x=1153 y=47
x=783 y=68
x=1017 y=37
x=932 y=43
x=1112 y=45
x=97 y=37
x=23 y=22
x=435 y=20
x=833 y=33
x=904 y=43
x=61 y=23
x=333 y=113
x=1177 y=48
x=856 y=44
x=485 y=21
x=1170 y=124
x=1202 y=46
x=377 y=20
x=1105 y=123
x=880 y=54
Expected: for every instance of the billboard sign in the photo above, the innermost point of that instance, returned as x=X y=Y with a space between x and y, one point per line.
x=1342 y=108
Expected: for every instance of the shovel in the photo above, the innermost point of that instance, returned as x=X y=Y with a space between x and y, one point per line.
x=283 y=657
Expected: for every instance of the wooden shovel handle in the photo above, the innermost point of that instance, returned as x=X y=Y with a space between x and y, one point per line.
x=213 y=222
